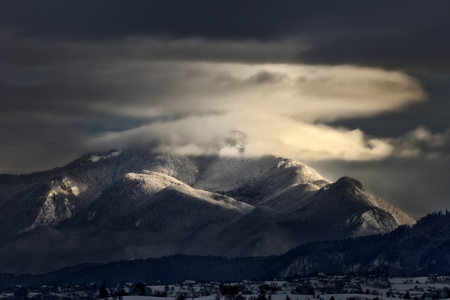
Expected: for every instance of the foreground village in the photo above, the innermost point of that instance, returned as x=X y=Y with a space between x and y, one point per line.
x=321 y=287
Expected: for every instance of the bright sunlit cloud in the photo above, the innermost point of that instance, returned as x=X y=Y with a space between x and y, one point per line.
x=280 y=107
x=309 y=93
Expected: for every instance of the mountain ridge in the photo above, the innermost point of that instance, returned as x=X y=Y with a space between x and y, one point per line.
x=134 y=203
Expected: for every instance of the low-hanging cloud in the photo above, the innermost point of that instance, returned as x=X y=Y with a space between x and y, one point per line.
x=267 y=134
x=421 y=142
x=280 y=107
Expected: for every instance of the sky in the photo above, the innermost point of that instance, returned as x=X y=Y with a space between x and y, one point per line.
x=352 y=88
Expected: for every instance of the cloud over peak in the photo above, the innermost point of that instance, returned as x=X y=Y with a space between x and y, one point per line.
x=280 y=107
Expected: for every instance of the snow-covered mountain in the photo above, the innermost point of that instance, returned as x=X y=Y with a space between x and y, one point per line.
x=136 y=204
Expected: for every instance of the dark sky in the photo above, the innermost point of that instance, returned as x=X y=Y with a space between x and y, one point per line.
x=356 y=88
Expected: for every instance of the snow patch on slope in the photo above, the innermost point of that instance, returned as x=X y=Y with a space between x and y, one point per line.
x=216 y=199
x=287 y=163
x=53 y=211
x=153 y=182
x=399 y=216
x=369 y=221
x=305 y=174
x=57 y=206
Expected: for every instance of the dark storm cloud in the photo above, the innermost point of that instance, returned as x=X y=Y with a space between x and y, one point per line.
x=409 y=35
x=175 y=19
x=26 y=52
x=392 y=34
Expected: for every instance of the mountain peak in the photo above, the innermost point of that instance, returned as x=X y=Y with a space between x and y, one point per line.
x=348 y=181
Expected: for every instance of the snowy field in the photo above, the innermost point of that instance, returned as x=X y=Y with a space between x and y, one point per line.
x=273 y=297
x=319 y=288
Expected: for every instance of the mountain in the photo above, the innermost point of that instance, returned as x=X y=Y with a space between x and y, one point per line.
x=407 y=251
x=134 y=203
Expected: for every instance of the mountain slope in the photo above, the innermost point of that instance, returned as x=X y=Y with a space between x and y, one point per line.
x=420 y=250
x=417 y=251
x=135 y=204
